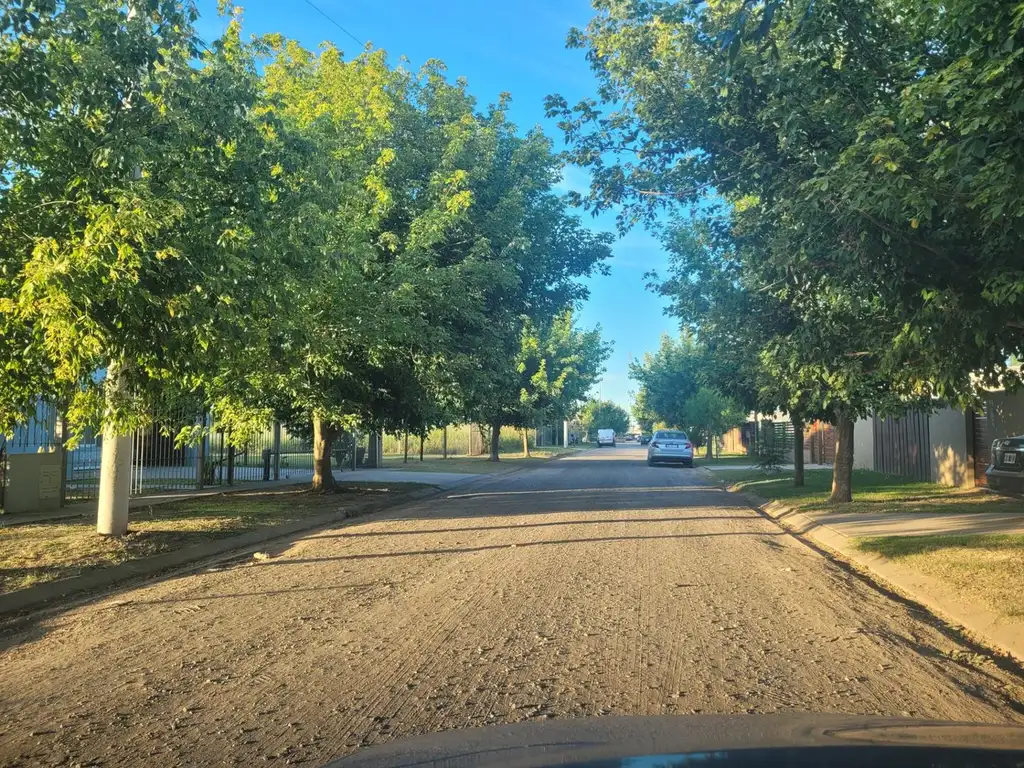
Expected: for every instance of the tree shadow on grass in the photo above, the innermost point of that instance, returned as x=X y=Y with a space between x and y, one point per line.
x=896 y=547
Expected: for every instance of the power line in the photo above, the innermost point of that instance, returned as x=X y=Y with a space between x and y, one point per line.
x=318 y=10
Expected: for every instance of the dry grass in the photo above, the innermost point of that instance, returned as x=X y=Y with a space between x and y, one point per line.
x=33 y=554
x=987 y=568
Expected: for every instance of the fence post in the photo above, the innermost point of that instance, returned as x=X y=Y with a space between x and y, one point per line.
x=201 y=455
x=266 y=454
x=277 y=450
x=378 y=449
x=62 y=439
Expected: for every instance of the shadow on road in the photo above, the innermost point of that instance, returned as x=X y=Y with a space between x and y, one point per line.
x=522 y=526
x=520 y=545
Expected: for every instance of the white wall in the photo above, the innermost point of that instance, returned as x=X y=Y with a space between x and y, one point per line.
x=948 y=435
x=864 y=444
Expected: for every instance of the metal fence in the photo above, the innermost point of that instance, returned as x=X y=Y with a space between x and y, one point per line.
x=162 y=463
x=82 y=469
x=777 y=433
x=901 y=445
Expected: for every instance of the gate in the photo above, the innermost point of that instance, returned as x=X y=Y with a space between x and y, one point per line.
x=901 y=445
x=821 y=438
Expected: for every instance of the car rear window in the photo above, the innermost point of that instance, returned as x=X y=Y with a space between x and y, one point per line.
x=671 y=435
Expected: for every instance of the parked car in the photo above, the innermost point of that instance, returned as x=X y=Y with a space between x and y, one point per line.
x=670 y=446
x=1006 y=472
x=606 y=437
x=645 y=439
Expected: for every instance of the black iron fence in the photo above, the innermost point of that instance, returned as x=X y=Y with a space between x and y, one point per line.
x=162 y=463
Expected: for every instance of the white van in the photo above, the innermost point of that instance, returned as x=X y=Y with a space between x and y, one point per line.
x=606 y=437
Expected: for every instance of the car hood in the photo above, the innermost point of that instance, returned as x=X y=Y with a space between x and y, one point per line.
x=641 y=741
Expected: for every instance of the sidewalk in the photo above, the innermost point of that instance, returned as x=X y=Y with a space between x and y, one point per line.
x=863 y=525
x=442 y=480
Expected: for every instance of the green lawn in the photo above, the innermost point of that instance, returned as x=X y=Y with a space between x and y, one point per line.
x=33 y=554
x=982 y=567
x=872 y=492
x=477 y=465
x=731 y=460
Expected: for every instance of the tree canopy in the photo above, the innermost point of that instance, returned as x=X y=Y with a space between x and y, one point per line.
x=603 y=414
x=843 y=175
x=258 y=228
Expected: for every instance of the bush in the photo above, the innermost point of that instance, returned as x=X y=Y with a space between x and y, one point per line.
x=770 y=457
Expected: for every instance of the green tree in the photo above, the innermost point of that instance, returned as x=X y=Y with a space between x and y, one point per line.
x=760 y=105
x=139 y=191
x=537 y=253
x=603 y=414
x=669 y=377
x=709 y=414
x=557 y=365
x=642 y=414
x=398 y=295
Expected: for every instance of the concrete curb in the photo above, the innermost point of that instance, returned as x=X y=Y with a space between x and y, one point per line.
x=33 y=598
x=995 y=631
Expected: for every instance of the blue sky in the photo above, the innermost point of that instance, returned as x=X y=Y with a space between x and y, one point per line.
x=517 y=47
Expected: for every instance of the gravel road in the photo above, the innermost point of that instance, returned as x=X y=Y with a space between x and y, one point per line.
x=591 y=585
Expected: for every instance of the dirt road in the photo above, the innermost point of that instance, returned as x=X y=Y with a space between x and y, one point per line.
x=592 y=585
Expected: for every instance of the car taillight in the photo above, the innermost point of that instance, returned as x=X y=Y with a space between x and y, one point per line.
x=654 y=444
x=687 y=444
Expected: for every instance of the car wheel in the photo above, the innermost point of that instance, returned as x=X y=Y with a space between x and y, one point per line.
x=688 y=464
x=650 y=463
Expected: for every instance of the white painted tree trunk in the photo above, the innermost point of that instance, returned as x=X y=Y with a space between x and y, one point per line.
x=115 y=466
x=115 y=484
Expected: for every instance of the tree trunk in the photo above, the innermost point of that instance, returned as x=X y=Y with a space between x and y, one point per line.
x=323 y=441
x=405 y=457
x=798 y=453
x=710 y=452
x=115 y=483
x=842 y=470
x=526 y=444
x=115 y=466
x=444 y=443
x=422 y=440
x=495 y=441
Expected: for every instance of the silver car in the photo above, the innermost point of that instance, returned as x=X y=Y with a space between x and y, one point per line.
x=668 y=445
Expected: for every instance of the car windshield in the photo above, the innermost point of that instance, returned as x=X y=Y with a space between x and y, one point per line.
x=669 y=435
x=337 y=422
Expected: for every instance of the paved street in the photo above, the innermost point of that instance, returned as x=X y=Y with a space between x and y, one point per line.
x=591 y=585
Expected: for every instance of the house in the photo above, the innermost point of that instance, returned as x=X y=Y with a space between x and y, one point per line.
x=949 y=446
